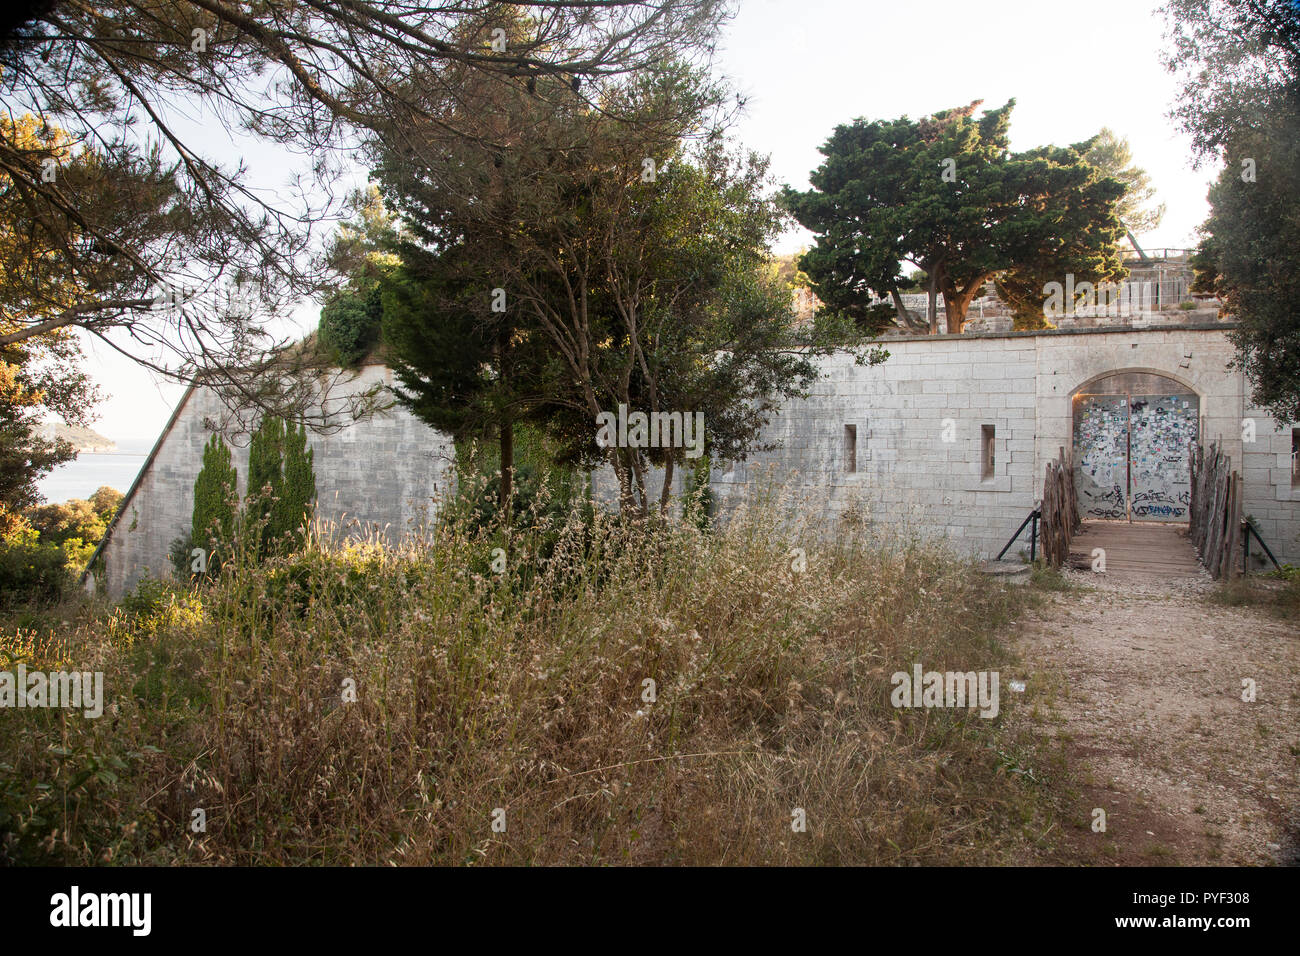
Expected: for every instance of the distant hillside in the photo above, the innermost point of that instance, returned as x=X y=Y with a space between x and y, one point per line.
x=82 y=439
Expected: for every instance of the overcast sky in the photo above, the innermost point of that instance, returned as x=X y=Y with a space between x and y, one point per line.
x=807 y=65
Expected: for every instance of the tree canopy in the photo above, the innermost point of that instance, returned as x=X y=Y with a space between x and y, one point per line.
x=629 y=258
x=944 y=194
x=1239 y=61
x=125 y=210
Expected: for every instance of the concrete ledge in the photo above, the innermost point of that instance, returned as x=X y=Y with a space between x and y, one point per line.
x=1013 y=572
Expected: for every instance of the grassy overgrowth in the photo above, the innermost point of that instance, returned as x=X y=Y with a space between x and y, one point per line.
x=526 y=692
x=1277 y=592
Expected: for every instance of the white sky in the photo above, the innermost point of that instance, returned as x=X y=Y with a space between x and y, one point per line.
x=808 y=65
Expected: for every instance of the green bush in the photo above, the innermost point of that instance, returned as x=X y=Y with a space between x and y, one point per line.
x=350 y=325
x=281 y=487
x=32 y=573
x=147 y=600
x=76 y=518
x=181 y=557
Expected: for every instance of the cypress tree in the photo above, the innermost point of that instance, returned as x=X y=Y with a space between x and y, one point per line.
x=281 y=485
x=213 y=523
x=291 y=513
x=265 y=480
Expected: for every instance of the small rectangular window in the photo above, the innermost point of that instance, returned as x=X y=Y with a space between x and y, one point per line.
x=1295 y=458
x=988 y=459
x=850 y=448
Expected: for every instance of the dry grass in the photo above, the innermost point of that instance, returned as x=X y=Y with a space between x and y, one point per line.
x=523 y=691
x=1278 y=593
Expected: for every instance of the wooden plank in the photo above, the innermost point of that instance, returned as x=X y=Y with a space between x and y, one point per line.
x=1149 y=549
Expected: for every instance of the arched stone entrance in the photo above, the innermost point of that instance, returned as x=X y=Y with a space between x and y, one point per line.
x=1132 y=432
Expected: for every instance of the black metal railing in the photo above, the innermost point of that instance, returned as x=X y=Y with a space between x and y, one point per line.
x=1248 y=529
x=1031 y=518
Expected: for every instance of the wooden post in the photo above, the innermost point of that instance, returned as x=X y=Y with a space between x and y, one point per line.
x=1232 y=541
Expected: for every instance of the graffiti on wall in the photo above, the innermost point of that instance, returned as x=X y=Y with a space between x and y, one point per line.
x=1131 y=455
x=1101 y=455
x=1161 y=427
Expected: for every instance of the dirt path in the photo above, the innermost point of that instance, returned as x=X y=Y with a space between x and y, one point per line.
x=1142 y=685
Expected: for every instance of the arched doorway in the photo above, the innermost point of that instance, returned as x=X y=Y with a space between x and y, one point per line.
x=1132 y=434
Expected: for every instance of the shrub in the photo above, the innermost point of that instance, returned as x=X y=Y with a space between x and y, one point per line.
x=32 y=573
x=180 y=554
x=350 y=325
x=281 y=487
x=75 y=518
x=106 y=501
x=293 y=507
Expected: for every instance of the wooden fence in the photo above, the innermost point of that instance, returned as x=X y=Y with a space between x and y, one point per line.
x=1060 y=510
x=1215 y=512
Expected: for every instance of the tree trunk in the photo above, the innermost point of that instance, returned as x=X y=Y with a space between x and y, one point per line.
x=932 y=309
x=956 y=313
x=957 y=303
x=905 y=317
x=667 y=489
x=638 y=473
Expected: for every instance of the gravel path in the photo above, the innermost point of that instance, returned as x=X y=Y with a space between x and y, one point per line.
x=1142 y=683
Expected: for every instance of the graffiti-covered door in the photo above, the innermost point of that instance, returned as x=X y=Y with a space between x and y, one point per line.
x=1101 y=455
x=1161 y=429
x=1132 y=432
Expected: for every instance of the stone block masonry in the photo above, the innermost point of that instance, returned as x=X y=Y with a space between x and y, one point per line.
x=922 y=420
x=390 y=472
x=950 y=437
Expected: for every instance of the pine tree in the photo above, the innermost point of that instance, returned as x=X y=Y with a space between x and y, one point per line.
x=213 y=522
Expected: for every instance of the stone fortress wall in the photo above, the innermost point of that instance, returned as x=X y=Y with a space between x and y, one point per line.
x=950 y=436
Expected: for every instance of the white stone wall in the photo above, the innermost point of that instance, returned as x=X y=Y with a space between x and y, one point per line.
x=1020 y=383
x=389 y=471
x=1267 y=493
x=393 y=469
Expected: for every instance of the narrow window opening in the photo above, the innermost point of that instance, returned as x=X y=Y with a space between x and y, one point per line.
x=988 y=460
x=850 y=448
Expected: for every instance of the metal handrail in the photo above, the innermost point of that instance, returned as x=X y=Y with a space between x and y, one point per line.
x=1033 y=536
x=1248 y=528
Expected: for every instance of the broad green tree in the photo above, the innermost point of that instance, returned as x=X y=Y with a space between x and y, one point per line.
x=467 y=370
x=1085 y=242
x=310 y=76
x=1137 y=208
x=25 y=455
x=41 y=375
x=362 y=251
x=943 y=194
x=1250 y=258
x=1235 y=60
x=637 y=251
x=1087 y=252
x=1239 y=62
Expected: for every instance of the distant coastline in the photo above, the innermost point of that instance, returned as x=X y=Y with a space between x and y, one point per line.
x=81 y=438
